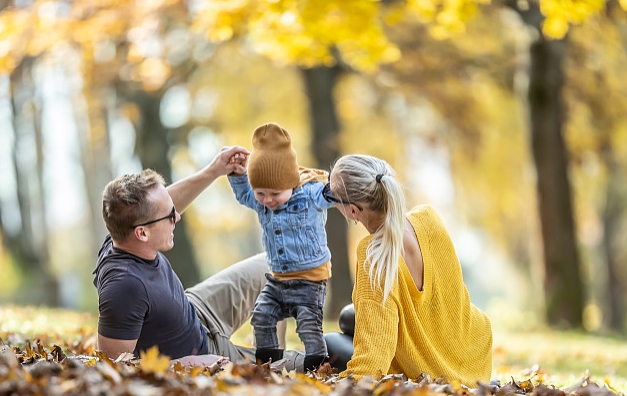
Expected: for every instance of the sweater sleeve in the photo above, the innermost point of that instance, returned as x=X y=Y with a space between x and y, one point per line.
x=376 y=326
x=376 y=335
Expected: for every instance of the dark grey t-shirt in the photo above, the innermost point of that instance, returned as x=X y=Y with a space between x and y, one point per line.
x=144 y=300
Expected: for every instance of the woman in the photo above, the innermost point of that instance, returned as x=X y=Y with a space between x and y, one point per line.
x=412 y=310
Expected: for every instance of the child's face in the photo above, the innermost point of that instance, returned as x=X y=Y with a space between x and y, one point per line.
x=272 y=199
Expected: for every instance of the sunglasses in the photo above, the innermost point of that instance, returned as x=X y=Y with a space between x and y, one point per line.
x=328 y=195
x=171 y=216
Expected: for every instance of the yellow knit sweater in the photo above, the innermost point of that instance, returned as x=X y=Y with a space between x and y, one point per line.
x=437 y=330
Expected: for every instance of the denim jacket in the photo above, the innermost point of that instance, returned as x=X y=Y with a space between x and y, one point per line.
x=293 y=234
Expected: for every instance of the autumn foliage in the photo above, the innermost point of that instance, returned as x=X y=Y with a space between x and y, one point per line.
x=297 y=32
x=34 y=368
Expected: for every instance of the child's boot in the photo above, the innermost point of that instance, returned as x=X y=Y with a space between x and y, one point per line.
x=313 y=362
x=263 y=355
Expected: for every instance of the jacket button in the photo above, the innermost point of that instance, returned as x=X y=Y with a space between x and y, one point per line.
x=276 y=212
x=277 y=232
x=295 y=207
x=280 y=251
x=284 y=268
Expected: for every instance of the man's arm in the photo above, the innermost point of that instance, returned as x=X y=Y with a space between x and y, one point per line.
x=184 y=191
x=114 y=348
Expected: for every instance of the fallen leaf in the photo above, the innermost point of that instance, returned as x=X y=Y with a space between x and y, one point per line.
x=153 y=362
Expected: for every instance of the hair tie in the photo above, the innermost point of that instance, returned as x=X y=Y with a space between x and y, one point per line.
x=379 y=176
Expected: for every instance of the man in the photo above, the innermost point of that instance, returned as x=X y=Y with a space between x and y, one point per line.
x=141 y=300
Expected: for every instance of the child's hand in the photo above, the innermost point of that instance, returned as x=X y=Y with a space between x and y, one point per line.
x=239 y=161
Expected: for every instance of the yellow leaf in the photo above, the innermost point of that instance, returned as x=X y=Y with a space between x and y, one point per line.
x=178 y=367
x=609 y=386
x=311 y=382
x=457 y=385
x=195 y=371
x=555 y=27
x=29 y=351
x=103 y=357
x=153 y=362
x=385 y=387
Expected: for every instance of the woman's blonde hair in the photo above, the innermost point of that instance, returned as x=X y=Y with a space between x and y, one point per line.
x=364 y=179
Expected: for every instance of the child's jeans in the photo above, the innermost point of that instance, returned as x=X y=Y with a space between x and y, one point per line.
x=299 y=299
x=225 y=301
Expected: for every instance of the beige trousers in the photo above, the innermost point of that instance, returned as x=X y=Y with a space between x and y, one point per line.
x=225 y=301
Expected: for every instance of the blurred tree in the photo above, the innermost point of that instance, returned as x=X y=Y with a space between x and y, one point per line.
x=597 y=95
x=613 y=217
x=91 y=113
x=30 y=245
x=319 y=83
x=563 y=291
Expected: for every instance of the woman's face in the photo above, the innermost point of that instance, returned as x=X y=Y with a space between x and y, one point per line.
x=344 y=208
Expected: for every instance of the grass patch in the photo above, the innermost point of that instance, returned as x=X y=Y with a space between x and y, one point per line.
x=562 y=358
x=31 y=322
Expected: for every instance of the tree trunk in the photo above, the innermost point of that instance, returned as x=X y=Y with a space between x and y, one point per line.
x=613 y=241
x=562 y=284
x=319 y=83
x=90 y=113
x=30 y=245
x=153 y=144
x=563 y=287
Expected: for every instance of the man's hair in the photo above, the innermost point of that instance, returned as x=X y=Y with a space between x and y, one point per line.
x=125 y=202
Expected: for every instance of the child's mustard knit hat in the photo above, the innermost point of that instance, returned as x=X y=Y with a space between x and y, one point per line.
x=272 y=162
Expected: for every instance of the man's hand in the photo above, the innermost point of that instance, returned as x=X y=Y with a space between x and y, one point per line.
x=201 y=360
x=230 y=160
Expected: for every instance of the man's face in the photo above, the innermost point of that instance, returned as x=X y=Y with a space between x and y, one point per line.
x=161 y=232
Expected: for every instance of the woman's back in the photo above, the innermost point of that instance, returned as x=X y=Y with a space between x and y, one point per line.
x=412 y=255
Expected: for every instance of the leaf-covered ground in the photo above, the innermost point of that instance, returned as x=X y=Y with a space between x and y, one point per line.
x=52 y=352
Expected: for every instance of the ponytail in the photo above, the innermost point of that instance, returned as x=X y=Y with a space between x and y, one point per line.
x=372 y=181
